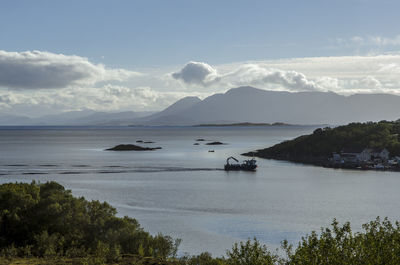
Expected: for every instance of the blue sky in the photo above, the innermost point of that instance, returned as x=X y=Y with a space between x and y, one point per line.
x=150 y=33
x=144 y=55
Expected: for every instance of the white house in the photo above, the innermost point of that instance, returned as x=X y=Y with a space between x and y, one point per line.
x=365 y=155
x=382 y=154
x=358 y=155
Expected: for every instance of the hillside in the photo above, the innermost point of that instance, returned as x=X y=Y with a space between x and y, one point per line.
x=317 y=147
x=249 y=104
x=172 y=115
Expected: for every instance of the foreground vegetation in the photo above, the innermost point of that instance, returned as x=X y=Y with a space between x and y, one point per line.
x=317 y=147
x=45 y=224
x=45 y=220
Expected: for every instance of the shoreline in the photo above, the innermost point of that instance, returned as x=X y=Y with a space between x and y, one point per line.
x=318 y=162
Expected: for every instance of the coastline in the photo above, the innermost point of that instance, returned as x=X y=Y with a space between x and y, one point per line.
x=254 y=124
x=316 y=161
x=361 y=146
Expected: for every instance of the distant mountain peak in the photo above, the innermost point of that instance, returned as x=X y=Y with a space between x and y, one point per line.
x=189 y=99
x=169 y=115
x=183 y=103
x=243 y=89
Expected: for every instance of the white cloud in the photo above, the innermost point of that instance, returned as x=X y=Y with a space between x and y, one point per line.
x=357 y=40
x=344 y=74
x=257 y=75
x=370 y=82
x=38 y=69
x=197 y=73
x=383 y=41
x=105 y=98
x=152 y=91
x=254 y=74
x=366 y=41
x=390 y=68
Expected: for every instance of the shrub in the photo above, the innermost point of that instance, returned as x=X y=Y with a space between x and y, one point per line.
x=45 y=220
x=251 y=252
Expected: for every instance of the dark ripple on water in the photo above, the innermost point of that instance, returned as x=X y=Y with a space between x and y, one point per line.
x=212 y=210
x=72 y=172
x=139 y=207
x=103 y=170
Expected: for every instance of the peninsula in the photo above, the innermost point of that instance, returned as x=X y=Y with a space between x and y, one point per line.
x=371 y=145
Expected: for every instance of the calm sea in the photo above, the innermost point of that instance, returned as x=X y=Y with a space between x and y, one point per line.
x=182 y=191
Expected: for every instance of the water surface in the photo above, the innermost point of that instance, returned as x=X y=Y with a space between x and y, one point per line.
x=181 y=190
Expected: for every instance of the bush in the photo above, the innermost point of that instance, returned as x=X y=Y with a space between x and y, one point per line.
x=204 y=258
x=45 y=220
x=378 y=244
x=251 y=253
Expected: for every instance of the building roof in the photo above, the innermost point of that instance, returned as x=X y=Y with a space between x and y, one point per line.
x=352 y=150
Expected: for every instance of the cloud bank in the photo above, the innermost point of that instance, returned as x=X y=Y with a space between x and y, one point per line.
x=343 y=75
x=33 y=83
x=256 y=75
x=104 y=98
x=38 y=69
x=202 y=74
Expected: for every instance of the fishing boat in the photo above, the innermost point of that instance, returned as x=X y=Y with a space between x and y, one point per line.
x=247 y=165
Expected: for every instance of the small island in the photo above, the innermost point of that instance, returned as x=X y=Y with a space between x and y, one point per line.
x=243 y=124
x=131 y=147
x=215 y=143
x=371 y=145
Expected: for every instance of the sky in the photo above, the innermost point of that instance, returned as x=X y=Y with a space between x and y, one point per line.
x=120 y=55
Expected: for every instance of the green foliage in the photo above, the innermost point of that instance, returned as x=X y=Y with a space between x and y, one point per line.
x=45 y=220
x=204 y=258
x=323 y=142
x=378 y=244
x=251 y=253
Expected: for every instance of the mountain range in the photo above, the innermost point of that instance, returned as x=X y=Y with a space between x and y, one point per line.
x=75 y=118
x=249 y=104
x=242 y=104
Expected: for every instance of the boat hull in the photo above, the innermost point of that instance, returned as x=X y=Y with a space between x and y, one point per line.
x=237 y=167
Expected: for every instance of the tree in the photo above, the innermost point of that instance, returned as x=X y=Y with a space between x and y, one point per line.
x=251 y=252
x=48 y=221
